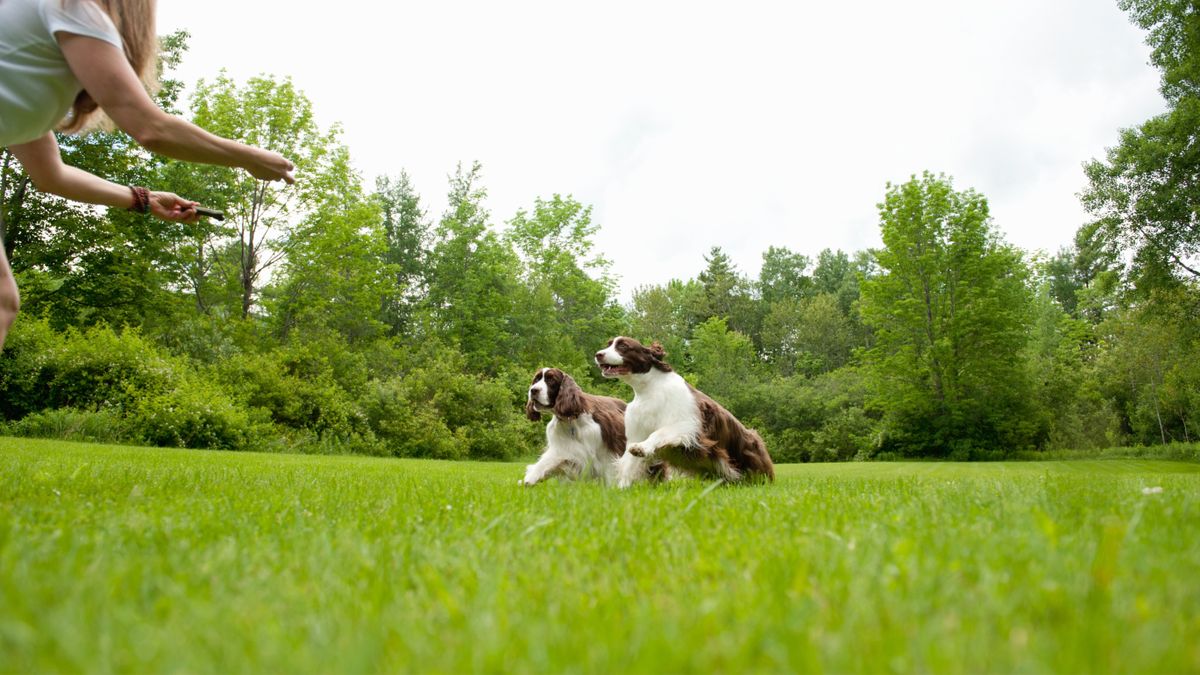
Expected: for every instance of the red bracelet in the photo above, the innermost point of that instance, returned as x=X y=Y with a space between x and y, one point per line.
x=141 y=199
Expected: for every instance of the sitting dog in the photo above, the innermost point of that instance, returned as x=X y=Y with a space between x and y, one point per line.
x=671 y=421
x=586 y=436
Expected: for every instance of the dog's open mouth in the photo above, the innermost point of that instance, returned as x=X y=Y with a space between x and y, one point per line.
x=608 y=370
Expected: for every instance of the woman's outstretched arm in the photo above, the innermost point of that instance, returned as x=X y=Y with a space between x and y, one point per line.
x=43 y=162
x=107 y=76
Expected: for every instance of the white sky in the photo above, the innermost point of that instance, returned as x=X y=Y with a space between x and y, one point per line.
x=693 y=124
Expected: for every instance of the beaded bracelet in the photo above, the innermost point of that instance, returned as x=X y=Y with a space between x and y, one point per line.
x=141 y=199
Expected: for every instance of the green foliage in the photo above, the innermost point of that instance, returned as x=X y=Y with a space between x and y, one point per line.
x=406 y=232
x=196 y=413
x=950 y=310
x=335 y=278
x=224 y=265
x=1064 y=355
x=70 y=424
x=1142 y=194
x=571 y=305
x=438 y=410
x=723 y=362
x=473 y=288
x=1149 y=371
x=1174 y=34
x=663 y=313
x=725 y=294
x=298 y=387
x=819 y=419
x=86 y=369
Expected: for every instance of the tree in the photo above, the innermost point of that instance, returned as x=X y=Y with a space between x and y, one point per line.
x=406 y=232
x=572 y=310
x=1145 y=194
x=782 y=276
x=807 y=335
x=950 y=309
x=726 y=294
x=335 y=276
x=472 y=278
x=723 y=361
x=662 y=313
x=271 y=114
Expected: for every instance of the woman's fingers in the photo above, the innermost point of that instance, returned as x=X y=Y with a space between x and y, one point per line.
x=272 y=166
x=168 y=206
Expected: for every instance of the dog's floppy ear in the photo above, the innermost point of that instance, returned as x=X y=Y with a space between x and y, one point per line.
x=532 y=412
x=569 y=402
x=657 y=351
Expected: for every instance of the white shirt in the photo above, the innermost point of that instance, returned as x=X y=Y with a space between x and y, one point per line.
x=37 y=86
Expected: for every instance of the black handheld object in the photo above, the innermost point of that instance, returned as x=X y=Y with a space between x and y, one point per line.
x=211 y=213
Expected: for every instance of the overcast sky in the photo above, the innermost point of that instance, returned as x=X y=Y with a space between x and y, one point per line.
x=693 y=124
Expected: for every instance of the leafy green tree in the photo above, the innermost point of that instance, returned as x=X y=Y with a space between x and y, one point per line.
x=272 y=114
x=808 y=335
x=335 y=276
x=1064 y=352
x=951 y=310
x=726 y=294
x=783 y=276
x=1143 y=194
x=571 y=286
x=663 y=313
x=723 y=361
x=407 y=234
x=473 y=286
x=837 y=274
x=1148 y=368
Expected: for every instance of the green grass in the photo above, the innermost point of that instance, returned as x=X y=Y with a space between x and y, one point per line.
x=149 y=560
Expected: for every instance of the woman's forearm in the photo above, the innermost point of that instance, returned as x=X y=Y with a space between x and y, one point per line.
x=177 y=138
x=81 y=186
x=42 y=161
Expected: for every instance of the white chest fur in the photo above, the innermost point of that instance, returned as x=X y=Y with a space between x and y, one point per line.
x=579 y=441
x=661 y=400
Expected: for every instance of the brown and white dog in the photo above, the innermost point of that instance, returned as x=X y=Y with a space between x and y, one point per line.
x=671 y=421
x=586 y=436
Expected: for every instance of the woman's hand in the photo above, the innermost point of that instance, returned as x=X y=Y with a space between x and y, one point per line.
x=267 y=165
x=172 y=207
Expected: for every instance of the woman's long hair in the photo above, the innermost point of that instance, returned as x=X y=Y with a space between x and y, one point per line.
x=134 y=20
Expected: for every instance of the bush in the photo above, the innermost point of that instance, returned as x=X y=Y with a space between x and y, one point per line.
x=70 y=424
x=196 y=414
x=435 y=409
x=85 y=370
x=296 y=390
x=820 y=419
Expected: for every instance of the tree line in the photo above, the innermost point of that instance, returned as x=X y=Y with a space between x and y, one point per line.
x=340 y=317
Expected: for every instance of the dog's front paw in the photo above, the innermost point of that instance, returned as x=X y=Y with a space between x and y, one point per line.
x=637 y=450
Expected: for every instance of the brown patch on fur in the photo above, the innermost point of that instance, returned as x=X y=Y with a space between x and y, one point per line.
x=568 y=401
x=726 y=437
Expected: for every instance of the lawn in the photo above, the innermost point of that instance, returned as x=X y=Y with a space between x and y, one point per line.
x=150 y=560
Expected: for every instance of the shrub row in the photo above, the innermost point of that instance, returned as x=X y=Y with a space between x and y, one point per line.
x=99 y=384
